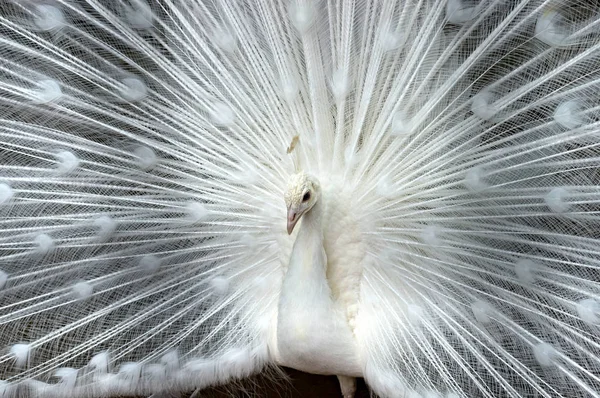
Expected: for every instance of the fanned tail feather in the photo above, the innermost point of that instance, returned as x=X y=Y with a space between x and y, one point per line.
x=144 y=159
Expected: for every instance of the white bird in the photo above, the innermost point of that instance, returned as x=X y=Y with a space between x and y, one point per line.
x=192 y=192
x=313 y=320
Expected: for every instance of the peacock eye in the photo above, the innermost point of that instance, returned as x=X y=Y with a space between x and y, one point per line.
x=306 y=197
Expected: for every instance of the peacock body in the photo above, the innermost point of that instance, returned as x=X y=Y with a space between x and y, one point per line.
x=436 y=164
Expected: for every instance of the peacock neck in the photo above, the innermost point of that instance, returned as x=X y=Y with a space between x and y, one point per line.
x=308 y=261
x=311 y=227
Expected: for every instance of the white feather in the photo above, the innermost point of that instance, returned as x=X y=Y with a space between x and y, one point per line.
x=21 y=353
x=6 y=193
x=3 y=278
x=67 y=377
x=145 y=157
x=47 y=90
x=82 y=290
x=67 y=162
x=133 y=89
x=44 y=243
x=49 y=17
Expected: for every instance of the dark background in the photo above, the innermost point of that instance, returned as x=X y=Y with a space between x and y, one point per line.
x=299 y=384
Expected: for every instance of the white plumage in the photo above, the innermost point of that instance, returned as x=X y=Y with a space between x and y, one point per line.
x=152 y=152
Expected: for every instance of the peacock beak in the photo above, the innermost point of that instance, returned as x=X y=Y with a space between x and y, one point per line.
x=292 y=219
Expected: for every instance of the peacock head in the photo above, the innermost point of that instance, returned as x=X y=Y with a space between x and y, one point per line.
x=302 y=193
